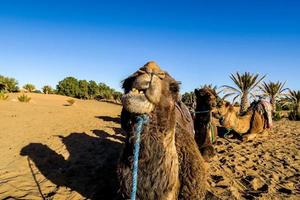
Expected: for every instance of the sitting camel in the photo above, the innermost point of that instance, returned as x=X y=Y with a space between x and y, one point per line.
x=255 y=121
x=170 y=164
x=205 y=128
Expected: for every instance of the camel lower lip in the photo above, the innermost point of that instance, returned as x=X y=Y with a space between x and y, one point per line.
x=137 y=103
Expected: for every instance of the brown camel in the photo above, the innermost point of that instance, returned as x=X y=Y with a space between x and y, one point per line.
x=205 y=128
x=170 y=164
x=248 y=125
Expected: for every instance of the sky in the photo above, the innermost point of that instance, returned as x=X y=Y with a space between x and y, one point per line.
x=197 y=42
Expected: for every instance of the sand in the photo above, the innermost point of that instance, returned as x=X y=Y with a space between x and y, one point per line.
x=52 y=151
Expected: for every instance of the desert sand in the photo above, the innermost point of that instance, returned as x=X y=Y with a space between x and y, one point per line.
x=50 y=150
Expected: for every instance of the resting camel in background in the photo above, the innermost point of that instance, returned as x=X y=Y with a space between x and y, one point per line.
x=254 y=121
x=206 y=132
x=170 y=164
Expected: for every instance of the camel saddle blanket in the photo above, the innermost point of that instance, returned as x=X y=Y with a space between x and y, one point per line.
x=183 y=117
x=265 y=108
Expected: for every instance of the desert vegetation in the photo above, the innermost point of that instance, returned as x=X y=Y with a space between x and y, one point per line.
x=244 y=86
x=71 y=102
x=29 y=87
x=3 y=96
x=83 y=89
x=8 y=84
x=69 y=86
x=24 y=98
x=47 y=89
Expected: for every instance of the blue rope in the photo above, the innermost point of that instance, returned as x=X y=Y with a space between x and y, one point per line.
x=140 y=121
x=200 y=112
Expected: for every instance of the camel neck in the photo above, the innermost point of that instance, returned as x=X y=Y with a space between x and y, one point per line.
x=241 y=124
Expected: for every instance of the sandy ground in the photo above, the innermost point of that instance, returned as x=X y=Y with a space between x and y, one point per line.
x=52 y=151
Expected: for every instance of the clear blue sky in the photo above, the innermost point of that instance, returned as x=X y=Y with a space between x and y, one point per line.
x=197 y=41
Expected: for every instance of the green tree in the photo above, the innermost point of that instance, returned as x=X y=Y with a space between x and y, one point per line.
x=2 y=87
x=47 y=89
x=83 y=89
x=29 y=87
x=189 y=99
x=10 y=84
x=273 y=90
x=93 y=89
x=105 y=92
x=245 y=84
x=293 y=98
x=69 y=86
x=117 y=96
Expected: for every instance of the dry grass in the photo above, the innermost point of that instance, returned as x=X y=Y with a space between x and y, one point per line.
x=24 y=98
x=3 y=96
x=71 y=102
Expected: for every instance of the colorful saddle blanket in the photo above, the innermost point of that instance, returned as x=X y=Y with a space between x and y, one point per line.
x=265 y=108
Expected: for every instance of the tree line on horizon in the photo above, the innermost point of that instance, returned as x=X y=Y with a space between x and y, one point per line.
x=246 y=85
x=69 y=86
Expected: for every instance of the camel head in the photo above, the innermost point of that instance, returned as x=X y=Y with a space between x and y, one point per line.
x=227 y=114
x=206 y=99
x=148 y=88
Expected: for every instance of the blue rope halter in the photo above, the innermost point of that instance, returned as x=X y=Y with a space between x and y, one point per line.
x=140 y=121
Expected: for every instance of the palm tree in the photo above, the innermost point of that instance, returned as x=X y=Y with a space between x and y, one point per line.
x=273 y=90
x=245 y=83
x=293 y=98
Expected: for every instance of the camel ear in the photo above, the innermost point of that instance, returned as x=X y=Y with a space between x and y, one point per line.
x=196 y=91
x=128 y=82
x=174 y=87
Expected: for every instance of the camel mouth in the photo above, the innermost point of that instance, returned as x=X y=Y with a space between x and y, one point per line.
x=136 y=101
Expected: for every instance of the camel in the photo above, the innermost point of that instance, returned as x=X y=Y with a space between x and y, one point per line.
x=205 y=128
x=170 y=164
x=251 y=123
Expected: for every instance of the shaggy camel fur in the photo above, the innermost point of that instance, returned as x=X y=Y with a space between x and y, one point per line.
x=248 y=125
x=206 y=132
x=170 y=164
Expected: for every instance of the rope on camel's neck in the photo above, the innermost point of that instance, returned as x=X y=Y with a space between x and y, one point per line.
x=141 y=120
x=210 y=126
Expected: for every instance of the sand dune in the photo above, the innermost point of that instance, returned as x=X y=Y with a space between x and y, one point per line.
x=52 y=151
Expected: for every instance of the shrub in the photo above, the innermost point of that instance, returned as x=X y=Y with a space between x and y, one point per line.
x=93 y=89
x=189 y=99
x=9 y=84
x=277 y=116
x=29 y=87
x=24 y=98
x=117 y=96
x=71 y=101
x=68 y=87
x=47 y=89
x=83 y=92
x=3 y=96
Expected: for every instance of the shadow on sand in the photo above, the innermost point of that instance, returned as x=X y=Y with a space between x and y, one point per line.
x=91 y=167
x=110 y=119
